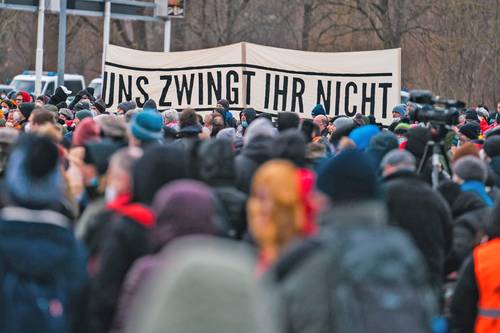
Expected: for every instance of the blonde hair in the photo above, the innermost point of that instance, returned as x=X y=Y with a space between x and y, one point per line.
x=275 y=209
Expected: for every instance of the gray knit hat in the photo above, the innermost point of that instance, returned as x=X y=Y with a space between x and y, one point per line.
x=470 y=168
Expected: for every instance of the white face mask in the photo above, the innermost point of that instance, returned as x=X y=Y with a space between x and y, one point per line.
x=5 y=110
x=110 y=194
x=27 y=128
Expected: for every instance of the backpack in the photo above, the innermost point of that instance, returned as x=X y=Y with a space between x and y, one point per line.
x=32 y=304
x=355 y=279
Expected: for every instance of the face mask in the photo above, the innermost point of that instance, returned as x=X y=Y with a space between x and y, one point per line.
x=396 y=119
x=61 y=121
x=244 y=124
x=27 y=128
x=110 y=194
x=5 y=110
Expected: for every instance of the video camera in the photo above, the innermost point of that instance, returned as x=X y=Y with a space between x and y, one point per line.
x=434 y=110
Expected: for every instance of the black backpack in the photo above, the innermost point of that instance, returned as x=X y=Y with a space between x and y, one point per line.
x=354 y=279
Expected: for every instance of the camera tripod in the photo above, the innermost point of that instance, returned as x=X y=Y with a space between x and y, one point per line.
x=434 y=149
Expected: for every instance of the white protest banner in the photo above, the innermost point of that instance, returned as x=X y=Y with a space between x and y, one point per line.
x=266 y=78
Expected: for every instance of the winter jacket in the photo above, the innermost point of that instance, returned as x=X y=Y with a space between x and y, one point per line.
x=125 y=240
x=416 y=208
x=39 y=245
x=472 y=221
x=495 y=166
x=465 y=299
x=217 y=169
x=253 y=155
x=304 y=277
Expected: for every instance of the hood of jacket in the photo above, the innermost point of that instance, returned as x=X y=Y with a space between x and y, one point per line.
x=258 y=149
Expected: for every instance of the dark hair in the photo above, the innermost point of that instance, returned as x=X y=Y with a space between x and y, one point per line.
x=217 y=124
x=42 y=116
x=188 y=117
x=307 y=128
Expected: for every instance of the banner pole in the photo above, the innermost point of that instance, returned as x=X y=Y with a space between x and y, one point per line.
x=106 y=32
x=167 y=34
x=39 y=48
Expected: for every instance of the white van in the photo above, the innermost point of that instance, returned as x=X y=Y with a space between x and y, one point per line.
x=26 y=82
x=97 y=85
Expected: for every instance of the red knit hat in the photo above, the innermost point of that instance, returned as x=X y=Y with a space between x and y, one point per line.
x=87 y=130
x=26 y=96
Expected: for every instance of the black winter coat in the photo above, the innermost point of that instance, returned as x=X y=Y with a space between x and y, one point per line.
x=465 y=298
x=125 y=240
x=416 y=208
x=472 y=217
x=253 y=155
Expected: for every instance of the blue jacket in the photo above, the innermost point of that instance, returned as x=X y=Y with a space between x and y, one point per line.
x=38 y=246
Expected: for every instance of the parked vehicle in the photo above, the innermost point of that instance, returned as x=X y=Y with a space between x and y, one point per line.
x=26 y=82
x=97 y=85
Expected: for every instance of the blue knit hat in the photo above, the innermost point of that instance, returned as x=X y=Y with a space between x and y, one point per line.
x=147 y=126
x=318 y=110
x=362 y=136
x=401 y=109
x=348 y=177
x=33 y=179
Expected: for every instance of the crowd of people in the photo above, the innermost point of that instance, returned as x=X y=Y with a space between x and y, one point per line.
x=140 y=220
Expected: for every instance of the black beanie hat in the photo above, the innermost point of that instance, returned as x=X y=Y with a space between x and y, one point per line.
x=287 y=120
x=349 y=177
x=100 y=105
x=26 y=109
x=471 y=130
x=492 y=146
x=471 y=115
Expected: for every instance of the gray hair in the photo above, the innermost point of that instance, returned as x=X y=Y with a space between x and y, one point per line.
x=400 y=159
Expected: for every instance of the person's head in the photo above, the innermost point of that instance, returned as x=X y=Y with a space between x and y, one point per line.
x=492 y=146
x=145 y=127
x=318 y=110
x=182 y=208
x=98 y=107
x=24 y=112
x=290 y=145
x=260 y=127
x=125 y=106
x=498 y=107
x=7 y=137
x=467 y=149
x=321 y=121
x=33 y=177
x=469 y=132
x=398 y=112
x=171 y=117
x=80 y=115
x=188 y=117
x=86 y=131
x=275 y=209
x=223 y=103
x=397 y=160
x=247 y=116
x=361 y=136
x=40 y=117
x=217 y=124
x=41 y=101
x=288 y=120
x=348 y=178
x=119 y=174
x=112 y=127
x=469 y=168
x=158 y=166
x=22 y=97
x=380 y=145
x=7 y=106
